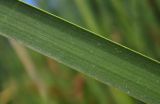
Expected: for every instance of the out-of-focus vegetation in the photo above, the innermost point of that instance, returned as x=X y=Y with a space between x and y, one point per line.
x=27 y=77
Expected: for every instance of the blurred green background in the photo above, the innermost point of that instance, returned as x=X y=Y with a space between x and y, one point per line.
x=27 y=77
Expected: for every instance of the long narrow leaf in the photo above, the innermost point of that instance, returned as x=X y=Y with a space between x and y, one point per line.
x=82 y=50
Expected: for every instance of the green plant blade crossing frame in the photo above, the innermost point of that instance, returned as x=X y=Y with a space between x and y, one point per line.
x=82 y=50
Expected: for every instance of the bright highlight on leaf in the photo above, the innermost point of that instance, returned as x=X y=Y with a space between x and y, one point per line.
x=81 y=50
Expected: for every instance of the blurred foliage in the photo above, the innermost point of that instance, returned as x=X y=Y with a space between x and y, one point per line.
x=133 y=23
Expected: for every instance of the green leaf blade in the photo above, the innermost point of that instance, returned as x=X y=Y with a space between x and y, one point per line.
x=82 y=50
